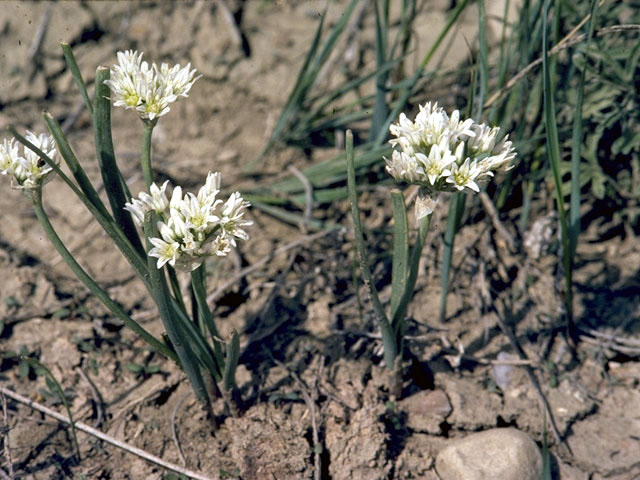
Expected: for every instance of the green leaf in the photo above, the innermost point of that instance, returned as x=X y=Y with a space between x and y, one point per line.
x=231 y=362
x=399 y=270
x=114 y=184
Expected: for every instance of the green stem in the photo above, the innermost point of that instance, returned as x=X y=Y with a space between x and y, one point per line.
x=205 y=318
x=175 y=288
x=103 y=296
x=145 y=154
x=162 y=297
x=388 y=335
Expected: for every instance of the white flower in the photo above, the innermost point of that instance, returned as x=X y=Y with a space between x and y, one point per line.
x=156 y=199
x=231 y=217
x=166 y=252
x=192 y=227
x=148 y=90
x=465 y=175
x=446 y=153
x=437 y=164
x=404 y=167
x=28 y=170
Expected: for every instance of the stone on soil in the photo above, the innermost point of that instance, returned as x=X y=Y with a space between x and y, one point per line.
x=501 y=453
x=426 y=410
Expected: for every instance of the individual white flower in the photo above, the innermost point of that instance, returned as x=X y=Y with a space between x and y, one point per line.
x=465 y=175
x=231 y=219
x=148 y=90
x=404 y=167
x=198 y=215
x=175 y=81
x=220 y=246
x=210 y=189
x=28 y=170
x=166 y=252
x=156 y=199
x=437 y=164
x=138 y=209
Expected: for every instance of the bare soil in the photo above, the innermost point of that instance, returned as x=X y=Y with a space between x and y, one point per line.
x=309 y=342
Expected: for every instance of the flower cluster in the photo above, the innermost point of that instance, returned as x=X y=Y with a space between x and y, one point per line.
x=28 y=170
x=148 y=90
x=442 y=153
x=192 y=227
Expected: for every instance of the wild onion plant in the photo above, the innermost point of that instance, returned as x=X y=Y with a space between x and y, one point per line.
x=439 y=153
x=178 y=234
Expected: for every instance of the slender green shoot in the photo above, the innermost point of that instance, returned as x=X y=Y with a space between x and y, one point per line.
x=553 y=151
x=391 y=351
x=70 y=59
x=63 y=398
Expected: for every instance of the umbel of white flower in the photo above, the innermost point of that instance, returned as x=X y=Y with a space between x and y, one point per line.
x=148 y=90
x=28 y=170
x=445 y=153
x=192 y=227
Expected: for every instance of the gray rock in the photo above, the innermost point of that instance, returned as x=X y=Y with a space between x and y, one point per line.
x=426 y=410
x=501 y=453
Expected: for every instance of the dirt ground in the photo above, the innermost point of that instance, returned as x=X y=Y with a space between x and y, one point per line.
x=308 y=341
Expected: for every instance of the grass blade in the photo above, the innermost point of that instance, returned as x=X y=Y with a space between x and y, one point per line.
x=576 y=143
x=553 y=151
x=313 y=63
x=404 y=97
x=380 y=109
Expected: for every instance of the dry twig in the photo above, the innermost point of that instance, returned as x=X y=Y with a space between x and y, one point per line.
x=7 y=445
x=83 y=427
x=174 y=432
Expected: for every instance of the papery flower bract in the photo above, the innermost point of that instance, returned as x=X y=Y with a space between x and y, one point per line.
x=148 y=90
x=29 y=170
x=446 y=153
x=192 y=227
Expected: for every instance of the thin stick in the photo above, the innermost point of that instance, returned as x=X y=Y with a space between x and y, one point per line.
x=7 y=445
x=490 y=209
x=174 y=433
x=215 y=296
x=83 y=427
